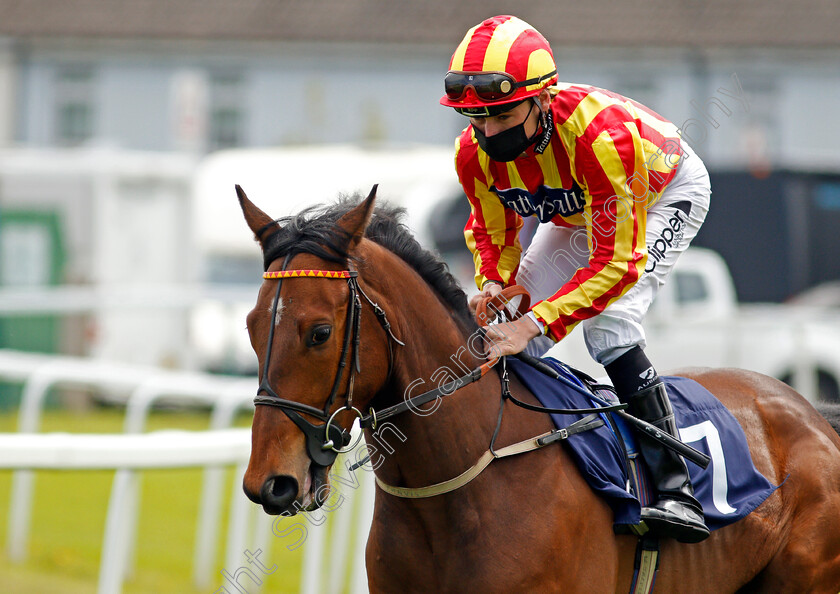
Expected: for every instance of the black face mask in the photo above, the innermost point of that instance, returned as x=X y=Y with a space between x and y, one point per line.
x=507 y=145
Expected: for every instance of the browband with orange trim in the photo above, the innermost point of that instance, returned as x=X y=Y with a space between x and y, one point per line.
x=313 y=273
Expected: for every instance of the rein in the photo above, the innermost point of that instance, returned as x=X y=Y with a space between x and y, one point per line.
x=321 y=440
x=592 y=421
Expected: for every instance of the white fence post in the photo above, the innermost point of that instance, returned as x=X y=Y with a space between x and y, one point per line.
x=235 y=397
x=57 y=371
x=364 y=506
x=226 y=396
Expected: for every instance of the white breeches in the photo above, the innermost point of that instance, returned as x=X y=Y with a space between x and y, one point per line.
x=672 y=222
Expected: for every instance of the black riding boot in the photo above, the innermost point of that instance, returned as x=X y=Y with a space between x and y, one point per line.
x=676 y=513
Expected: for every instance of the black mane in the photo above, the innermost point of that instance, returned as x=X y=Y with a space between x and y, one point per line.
x=314 y=231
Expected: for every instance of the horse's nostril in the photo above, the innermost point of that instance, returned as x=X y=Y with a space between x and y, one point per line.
x=279 y=491
x=283 y=486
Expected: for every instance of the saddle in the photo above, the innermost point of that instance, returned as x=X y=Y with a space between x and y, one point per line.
x=729 y=488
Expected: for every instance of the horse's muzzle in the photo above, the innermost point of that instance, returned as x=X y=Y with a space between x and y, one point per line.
x=279 y=494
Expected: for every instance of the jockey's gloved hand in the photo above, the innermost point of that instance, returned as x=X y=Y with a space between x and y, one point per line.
x=490 y=289
x=510 y=338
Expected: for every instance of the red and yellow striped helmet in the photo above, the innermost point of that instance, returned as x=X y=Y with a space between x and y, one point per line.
x=501 y=60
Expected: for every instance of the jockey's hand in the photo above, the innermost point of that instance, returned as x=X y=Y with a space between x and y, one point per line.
x=490 y=289
x=509 y=338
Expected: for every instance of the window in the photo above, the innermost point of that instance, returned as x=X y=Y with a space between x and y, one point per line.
x=761 y=134
x=691 y=287
x=74 y=104
x=228 y=269
x=226 y=119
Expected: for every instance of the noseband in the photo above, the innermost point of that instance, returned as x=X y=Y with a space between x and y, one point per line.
x=321 y=440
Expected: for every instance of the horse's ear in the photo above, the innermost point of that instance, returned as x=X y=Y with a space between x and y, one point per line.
x=356 y=221
x=257 y=220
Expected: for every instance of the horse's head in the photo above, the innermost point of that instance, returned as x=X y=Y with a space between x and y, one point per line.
x=307 y=332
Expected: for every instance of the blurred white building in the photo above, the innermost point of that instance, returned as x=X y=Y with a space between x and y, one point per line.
x=199 y=75
x=93 y=85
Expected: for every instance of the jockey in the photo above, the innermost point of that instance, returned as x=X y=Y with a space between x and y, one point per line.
x=618 y=195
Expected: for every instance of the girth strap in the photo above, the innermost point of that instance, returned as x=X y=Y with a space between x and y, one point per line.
x=528 y=445
x=646 y=565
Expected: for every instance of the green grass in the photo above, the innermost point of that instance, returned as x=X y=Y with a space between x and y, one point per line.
x=69 y=521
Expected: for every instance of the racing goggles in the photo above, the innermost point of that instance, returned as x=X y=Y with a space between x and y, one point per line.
x=488 y=86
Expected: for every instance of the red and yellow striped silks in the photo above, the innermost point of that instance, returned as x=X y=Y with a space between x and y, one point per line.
x=609 y=160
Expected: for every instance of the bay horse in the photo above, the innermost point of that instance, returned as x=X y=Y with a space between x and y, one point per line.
x=354 y=316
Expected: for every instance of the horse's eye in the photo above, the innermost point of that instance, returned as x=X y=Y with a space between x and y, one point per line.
x=319 y=335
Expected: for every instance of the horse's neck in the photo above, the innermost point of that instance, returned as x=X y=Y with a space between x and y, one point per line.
x=442 y=438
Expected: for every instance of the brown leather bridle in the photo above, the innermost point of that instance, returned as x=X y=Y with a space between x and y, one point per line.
x=321 y=440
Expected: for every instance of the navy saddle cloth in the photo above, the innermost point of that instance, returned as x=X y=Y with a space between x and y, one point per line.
x=729 y=488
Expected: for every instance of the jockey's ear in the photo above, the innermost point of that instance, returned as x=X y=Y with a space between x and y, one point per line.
x=545 y=100
x=356 y=221
x=260 y=223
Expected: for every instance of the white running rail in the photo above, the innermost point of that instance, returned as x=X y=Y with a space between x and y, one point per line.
x=131 y=452
x=159 y=449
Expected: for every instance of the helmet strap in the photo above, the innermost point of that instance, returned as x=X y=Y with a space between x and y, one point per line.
x=547 y=121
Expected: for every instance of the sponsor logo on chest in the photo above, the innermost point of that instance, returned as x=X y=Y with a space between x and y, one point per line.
x=545 y=204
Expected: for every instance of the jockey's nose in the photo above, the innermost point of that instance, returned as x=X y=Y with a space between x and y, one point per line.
x=492 y=128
